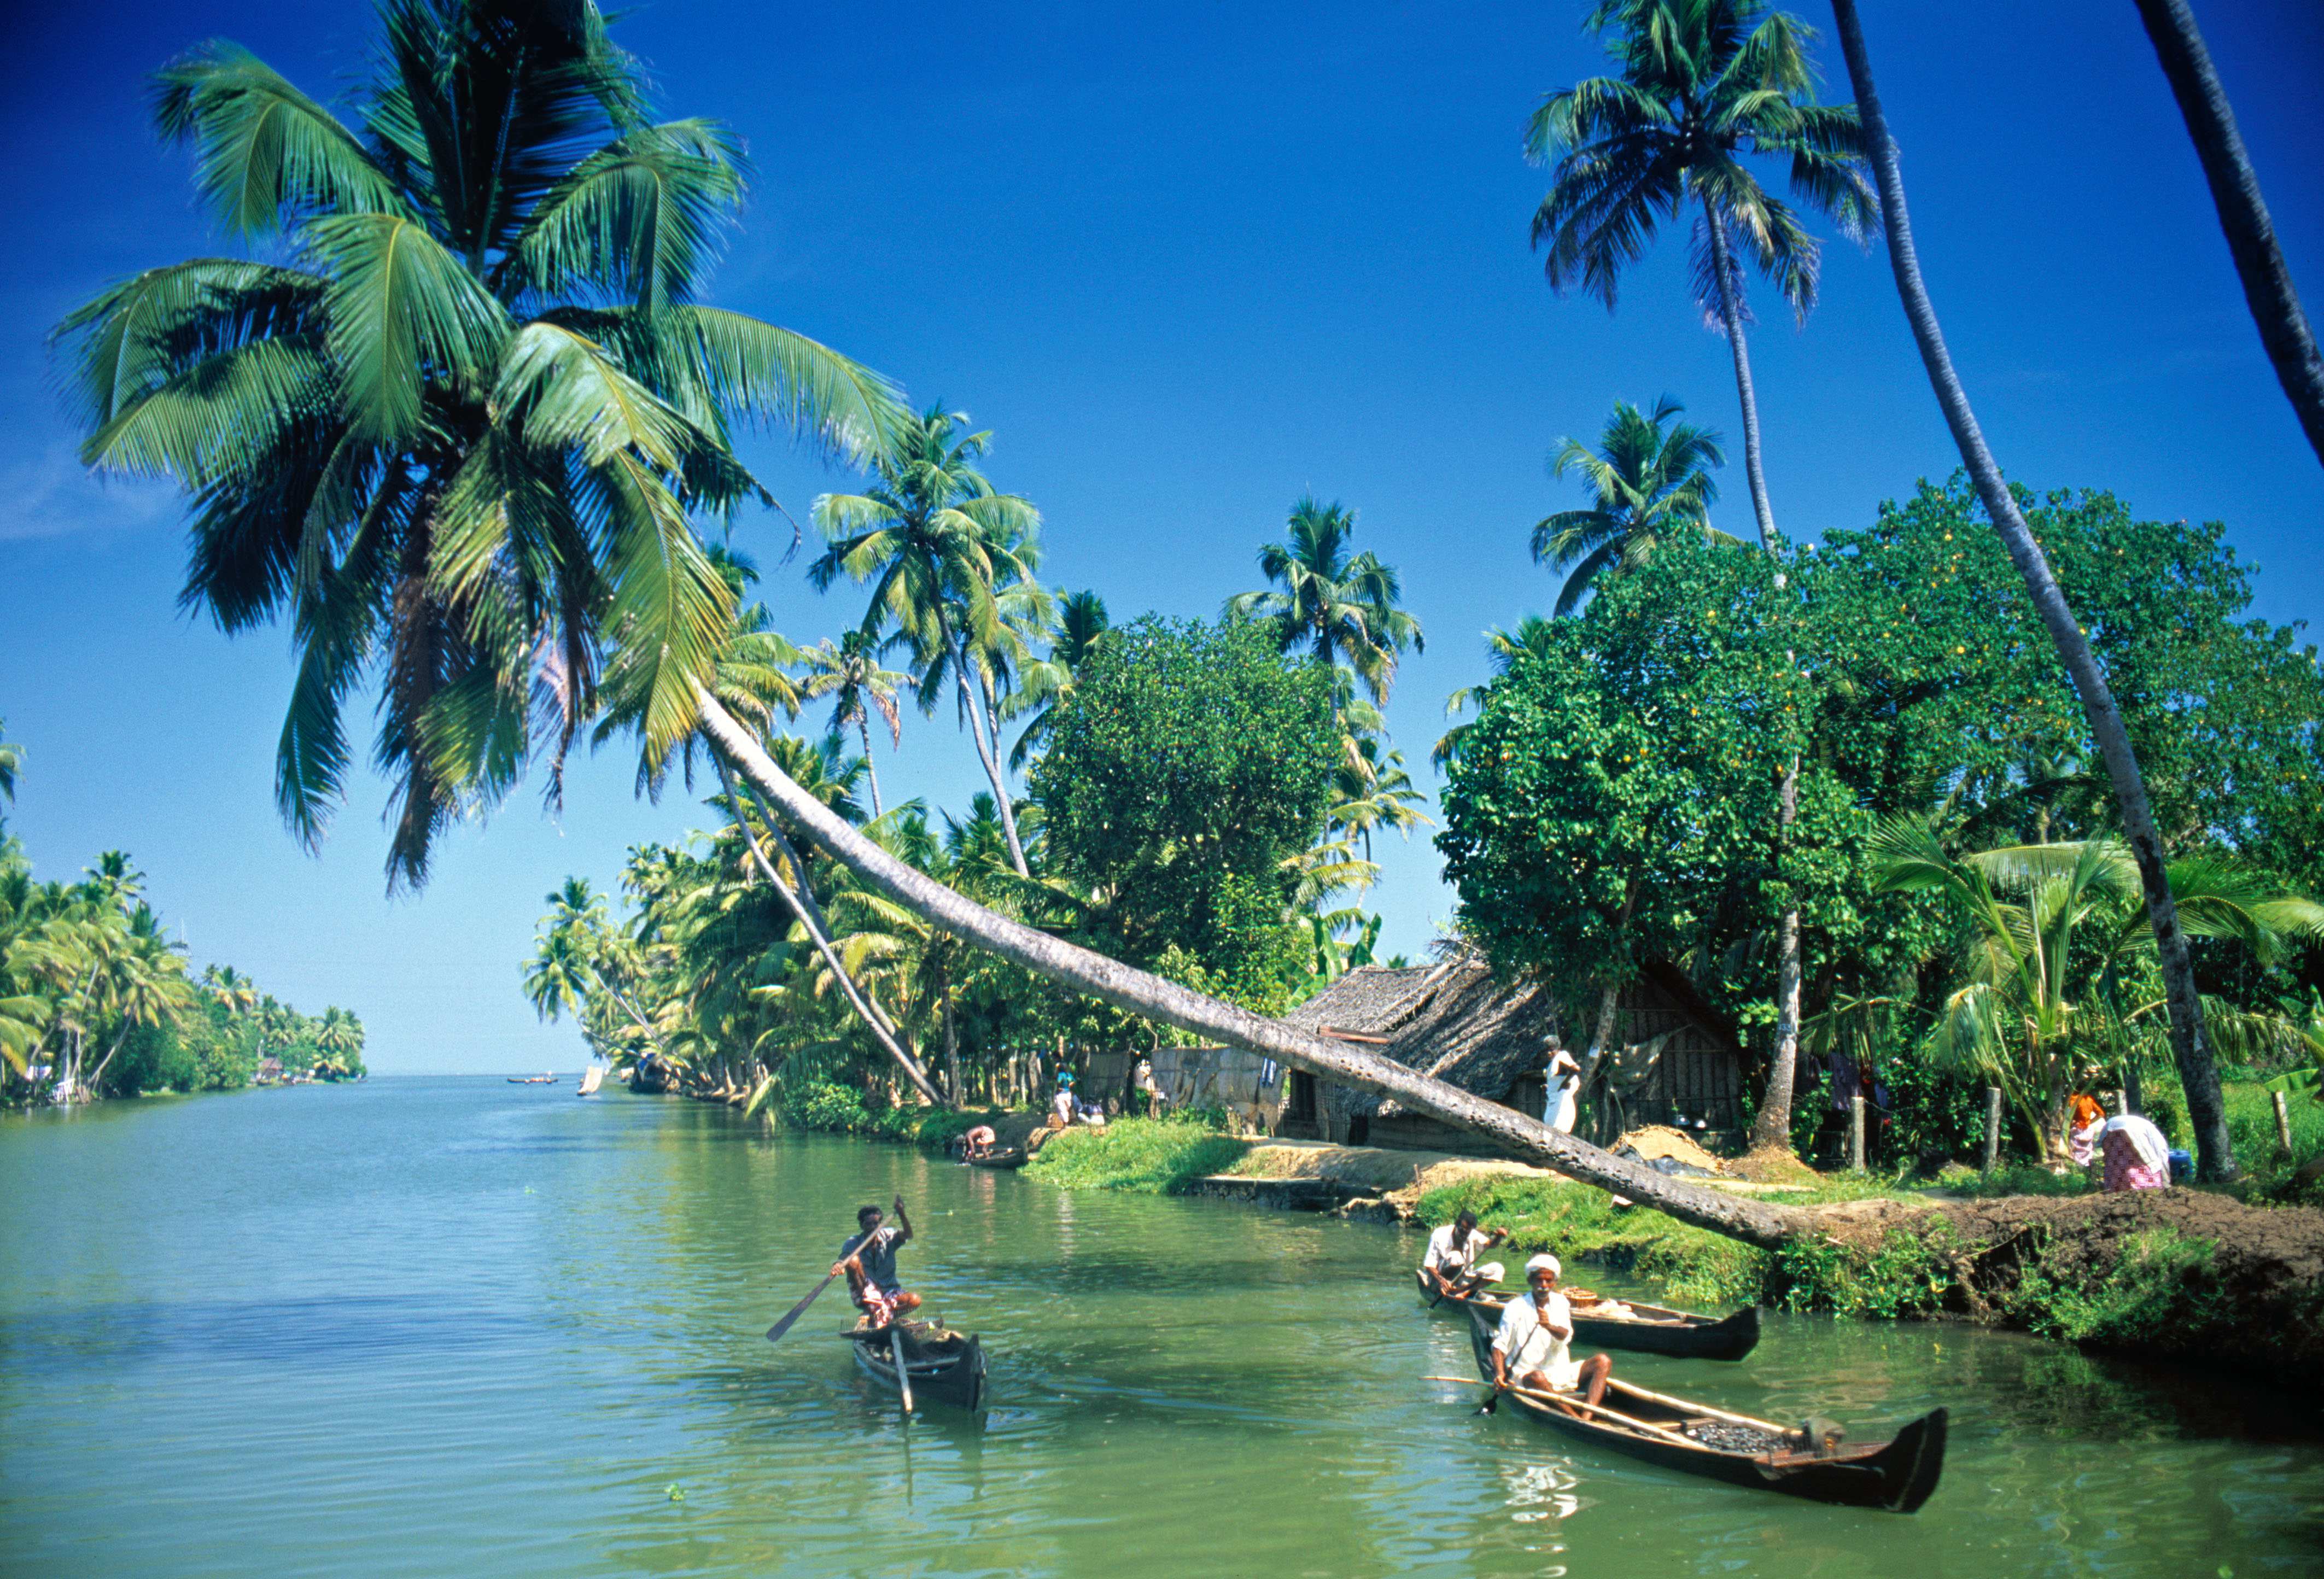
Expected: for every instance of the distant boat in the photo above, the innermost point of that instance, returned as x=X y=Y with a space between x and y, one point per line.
x=533 y=1080
x=591 y=1078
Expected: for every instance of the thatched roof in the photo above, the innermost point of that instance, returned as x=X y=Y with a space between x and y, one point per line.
x=1451 y=1021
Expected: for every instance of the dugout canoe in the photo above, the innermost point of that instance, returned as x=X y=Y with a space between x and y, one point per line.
x=1649 y=1329
x=1899 y=1474
x=1013 y=1156
x=945 y=1367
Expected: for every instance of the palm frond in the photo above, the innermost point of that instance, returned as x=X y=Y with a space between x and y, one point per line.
x=266 y=156
x=404 y=314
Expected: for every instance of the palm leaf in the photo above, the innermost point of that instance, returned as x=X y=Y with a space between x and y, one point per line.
x=404 y=313
x=637 y=220
x=265 y=154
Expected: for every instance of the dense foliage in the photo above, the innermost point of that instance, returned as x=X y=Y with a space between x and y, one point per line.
x=1184 y=779
x=1609 y=804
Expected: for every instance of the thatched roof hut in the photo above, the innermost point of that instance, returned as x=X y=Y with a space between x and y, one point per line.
x=1453 y=1021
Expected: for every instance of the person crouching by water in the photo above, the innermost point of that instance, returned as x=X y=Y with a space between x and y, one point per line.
x=1451 y=1263
x=1531 y=1350
x=868 y=1259
x=978 y=1142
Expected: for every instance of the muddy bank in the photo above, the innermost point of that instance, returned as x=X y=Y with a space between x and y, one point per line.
x=2177 y=1273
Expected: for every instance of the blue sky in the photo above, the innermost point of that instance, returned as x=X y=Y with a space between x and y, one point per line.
x=1186 y=262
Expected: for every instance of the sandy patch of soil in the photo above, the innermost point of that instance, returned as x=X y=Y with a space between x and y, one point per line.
x=1655 y=1141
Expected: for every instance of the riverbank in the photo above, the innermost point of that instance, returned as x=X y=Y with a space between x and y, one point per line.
x=2184 y=1273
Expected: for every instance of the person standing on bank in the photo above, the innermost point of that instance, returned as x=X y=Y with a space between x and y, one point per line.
x=1564 y=1105
x=868 y=1259
x=1532 y=1351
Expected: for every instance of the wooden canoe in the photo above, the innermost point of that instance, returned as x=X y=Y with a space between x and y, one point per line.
x=1013 y=1157
x=1649 y=1329
x=1899 y=1474
x=946 y=1368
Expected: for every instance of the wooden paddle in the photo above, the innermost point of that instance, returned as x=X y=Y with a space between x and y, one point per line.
x=784 y=1325
x=903 y=1377
x=1568 y=1401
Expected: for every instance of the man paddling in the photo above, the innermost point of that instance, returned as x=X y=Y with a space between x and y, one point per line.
x=1451 y=1261
x=868 y=1259
x=1531 y=1348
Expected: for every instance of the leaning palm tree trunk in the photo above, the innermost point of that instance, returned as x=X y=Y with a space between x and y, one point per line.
x=1126 y=988
x=2205 y=1105
x=2243 y=212
x=816 y=934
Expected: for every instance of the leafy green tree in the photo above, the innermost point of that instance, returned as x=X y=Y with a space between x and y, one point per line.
x=1651 y=478
x=1610 y=805
x=452 y=427
x=1153 y=798
x=936 y=543
x=1343 y=607
x=1703 y=87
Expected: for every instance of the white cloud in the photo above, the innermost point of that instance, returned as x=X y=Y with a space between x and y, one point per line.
x=52 y=495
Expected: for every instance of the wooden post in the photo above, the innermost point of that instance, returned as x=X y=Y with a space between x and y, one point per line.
x=1992 y=1128
x=1855 y=1134
x=2282 y=1121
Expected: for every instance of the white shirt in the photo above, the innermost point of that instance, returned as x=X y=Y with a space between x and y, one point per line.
x=1446 y=1257
x=1064 y=1105
x=1526 y=1339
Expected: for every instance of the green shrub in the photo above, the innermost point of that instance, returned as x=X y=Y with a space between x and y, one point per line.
x=1906 y=1276
x=2158 y=1296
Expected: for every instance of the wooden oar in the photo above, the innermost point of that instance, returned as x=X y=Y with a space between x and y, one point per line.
x=784 y=1325
x=1634 y=1390
x=1566 y=1400
x=903 y=1377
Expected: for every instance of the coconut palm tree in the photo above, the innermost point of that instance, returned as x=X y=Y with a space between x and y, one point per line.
x=452 y=426
x=850 y=673
x=1340 y=606
x=936 y=541
x=1651 y=480
x=2268 y=286
x=1704 y=86
x=2198 y=1074
x=1044 y=686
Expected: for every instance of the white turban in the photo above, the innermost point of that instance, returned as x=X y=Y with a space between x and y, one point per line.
x=1540 y=1262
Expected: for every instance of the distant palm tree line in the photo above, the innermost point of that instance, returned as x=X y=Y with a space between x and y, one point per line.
x=97 y=1001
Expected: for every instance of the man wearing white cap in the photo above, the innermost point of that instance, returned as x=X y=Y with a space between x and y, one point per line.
x=1530 y=1350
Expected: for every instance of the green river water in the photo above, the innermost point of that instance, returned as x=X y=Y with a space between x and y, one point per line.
x=464 y=1327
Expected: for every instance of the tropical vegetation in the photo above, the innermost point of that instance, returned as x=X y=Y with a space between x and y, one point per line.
x=95 y=1000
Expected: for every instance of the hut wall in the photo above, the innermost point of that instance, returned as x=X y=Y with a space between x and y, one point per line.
x=1250 y=1088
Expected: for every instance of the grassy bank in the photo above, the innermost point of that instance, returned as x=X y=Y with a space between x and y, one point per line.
x=840 y=1109
x=1159 y=1157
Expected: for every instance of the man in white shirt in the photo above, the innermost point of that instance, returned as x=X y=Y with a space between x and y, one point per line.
x=1562 y=1105
x=1531 y=1348
x=1451 y=1263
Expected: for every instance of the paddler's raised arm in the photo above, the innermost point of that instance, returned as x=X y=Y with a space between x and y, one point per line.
x=902 y=1223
